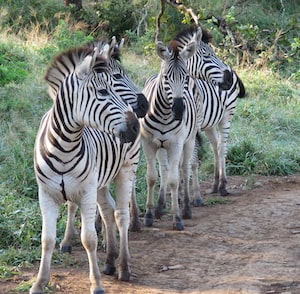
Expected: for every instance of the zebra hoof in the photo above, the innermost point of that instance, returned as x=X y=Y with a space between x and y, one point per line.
x=124 y=276
x=99 y=291
x=223 y=192
x=158 y=213
x=178 y=224
x=135 y=226
x=187 y=213
x=197 y=202
x=109 y=270
x=148 y=220
x=66 y=249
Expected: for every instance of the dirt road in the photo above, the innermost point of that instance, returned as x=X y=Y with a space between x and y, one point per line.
x=249 y=245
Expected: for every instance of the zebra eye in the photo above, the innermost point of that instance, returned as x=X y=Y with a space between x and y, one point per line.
x=103 y=92
x=117 y=76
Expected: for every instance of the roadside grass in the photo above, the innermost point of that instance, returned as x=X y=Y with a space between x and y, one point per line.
x=264 y=139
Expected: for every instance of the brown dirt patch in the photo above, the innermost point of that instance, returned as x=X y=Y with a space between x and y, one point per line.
x=249 y=245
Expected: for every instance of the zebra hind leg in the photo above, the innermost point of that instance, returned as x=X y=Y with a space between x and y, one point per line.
x=161 y=204
x=135 y=224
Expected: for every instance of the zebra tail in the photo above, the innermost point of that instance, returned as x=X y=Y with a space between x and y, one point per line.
x=242 y=93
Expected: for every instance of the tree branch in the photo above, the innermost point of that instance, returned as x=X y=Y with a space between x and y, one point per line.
x=180 y=6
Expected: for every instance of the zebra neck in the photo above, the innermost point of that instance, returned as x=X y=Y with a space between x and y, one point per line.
x=63 y=134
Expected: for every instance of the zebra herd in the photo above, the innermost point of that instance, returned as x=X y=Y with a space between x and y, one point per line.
x=92 y=135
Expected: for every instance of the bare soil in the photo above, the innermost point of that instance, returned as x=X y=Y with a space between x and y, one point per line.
x=249 y=245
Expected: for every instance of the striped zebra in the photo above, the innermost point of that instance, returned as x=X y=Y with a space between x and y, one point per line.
x=219 y=101
x=125 y=87
x=75 y=151
x=168 y=130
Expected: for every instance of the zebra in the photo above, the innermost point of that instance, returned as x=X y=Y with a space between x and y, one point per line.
x=125 y=87
x=205 y=65
x=69 y=150
x=219 y=101
x=168 y=130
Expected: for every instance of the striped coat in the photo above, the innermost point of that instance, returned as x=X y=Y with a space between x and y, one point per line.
x=168 y=130
x=69 y=148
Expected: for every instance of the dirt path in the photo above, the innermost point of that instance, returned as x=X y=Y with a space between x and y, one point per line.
x=250 y=245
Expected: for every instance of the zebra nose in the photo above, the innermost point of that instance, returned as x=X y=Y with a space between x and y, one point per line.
x=227 y=80
x=132 y=130
x=178 y=108
x=142 y=105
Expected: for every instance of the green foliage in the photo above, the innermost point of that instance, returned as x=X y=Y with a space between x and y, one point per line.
x=13 y=65
x=216 y=200
x=18 y=16
x=117 y=16
x=64 y=37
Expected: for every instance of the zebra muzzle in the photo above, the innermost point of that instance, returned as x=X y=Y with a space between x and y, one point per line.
x=227 y=80
x=178 y=108
x=142 y=105
x=132 y=128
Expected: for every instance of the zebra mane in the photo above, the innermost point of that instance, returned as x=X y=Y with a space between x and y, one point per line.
x=65 y=63
x=174 y=47
x=190 y=31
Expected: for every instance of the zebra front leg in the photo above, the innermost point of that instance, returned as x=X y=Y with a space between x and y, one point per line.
x=173 y=181
x=150 y=154
x=188 y=151
x=106 y=206
x=66 y=243
x=124 y=184
x=49 y=209
x=164 y=169
x=89 y=240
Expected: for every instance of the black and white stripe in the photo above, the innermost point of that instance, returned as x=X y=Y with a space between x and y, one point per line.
x=219 y=100
x=168 y=130
x=85 y=140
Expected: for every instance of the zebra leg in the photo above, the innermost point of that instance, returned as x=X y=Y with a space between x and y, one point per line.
x=163 y=169
x=135 y=224
x=150 y=154
x=212 y=135
x=66 y=243
x=197 y=201
x=224 y=127
x=89 y=240
x=106 y=206
x=49 y=209
x=187 y=154
x=173 y=181
x=124 y=183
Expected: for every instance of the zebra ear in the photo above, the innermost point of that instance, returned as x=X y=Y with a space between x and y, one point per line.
x=106 y=51
x=188 y=50
x=121 y=44
x=87 y=64
x=198 y=35
x=162 y=50
x=113 y=45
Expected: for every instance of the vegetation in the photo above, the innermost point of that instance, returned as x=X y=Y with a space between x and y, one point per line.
x=265 y=135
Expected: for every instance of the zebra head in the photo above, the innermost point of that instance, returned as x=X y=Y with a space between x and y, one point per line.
x=174 y=74
x=83 y=97
x=121 y=82
x=205 y=64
